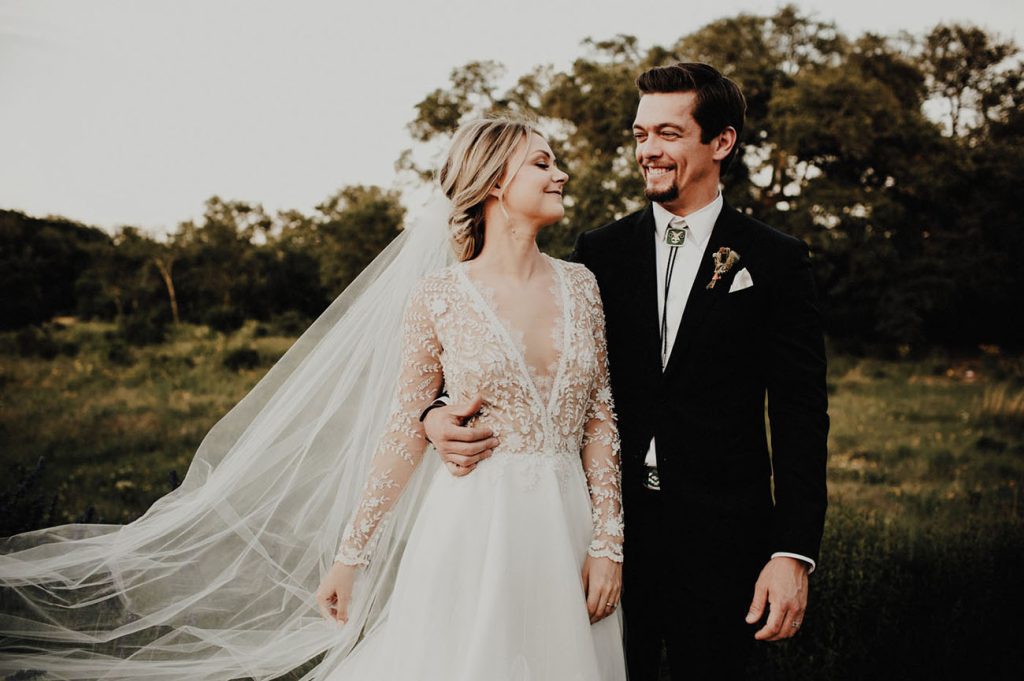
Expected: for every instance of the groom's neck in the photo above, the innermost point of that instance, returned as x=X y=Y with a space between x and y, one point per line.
x=691 y=201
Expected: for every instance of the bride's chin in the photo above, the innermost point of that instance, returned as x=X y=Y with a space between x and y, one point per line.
x=552 y=219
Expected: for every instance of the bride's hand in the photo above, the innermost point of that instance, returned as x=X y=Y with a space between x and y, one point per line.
x=335 y=592
x=602 y=583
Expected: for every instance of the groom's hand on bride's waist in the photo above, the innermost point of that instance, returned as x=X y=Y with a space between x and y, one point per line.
x=461 y=447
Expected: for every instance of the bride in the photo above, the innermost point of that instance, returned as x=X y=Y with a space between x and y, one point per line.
x=490 y=584
x=509 y=573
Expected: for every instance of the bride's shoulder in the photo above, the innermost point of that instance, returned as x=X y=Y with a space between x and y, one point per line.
x=436 y=285
x=439 y=278
x=581 y=282
x=432 y=295
x=576 y=273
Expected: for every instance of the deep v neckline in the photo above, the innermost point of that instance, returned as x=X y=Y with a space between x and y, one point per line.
x=503 y=332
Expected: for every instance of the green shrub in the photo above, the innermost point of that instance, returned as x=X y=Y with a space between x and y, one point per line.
x=143 y=330
x=24 y=505
x=242 y=358
x=119 y=354
x=33 y=341
x=290 y=323
x=224 y=318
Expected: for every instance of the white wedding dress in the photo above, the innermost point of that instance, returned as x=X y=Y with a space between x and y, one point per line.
x=489 y=586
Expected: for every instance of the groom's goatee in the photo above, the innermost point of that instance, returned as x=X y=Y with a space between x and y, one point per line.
x=663 y=195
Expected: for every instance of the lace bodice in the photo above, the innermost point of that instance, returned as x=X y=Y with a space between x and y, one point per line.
x=545 y=389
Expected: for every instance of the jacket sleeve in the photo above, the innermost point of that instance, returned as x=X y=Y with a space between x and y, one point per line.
x=797 y=406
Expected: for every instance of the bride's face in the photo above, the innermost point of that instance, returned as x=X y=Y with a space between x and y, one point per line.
x=534 y=194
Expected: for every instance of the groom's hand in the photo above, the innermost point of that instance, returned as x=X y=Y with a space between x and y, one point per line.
x=461 y=448
x=782 y=587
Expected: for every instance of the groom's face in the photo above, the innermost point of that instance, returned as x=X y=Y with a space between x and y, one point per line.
x=678 y=169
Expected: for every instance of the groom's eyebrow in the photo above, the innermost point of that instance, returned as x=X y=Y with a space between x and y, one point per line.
x=658 y=126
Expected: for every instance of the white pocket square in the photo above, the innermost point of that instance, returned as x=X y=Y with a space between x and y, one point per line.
x=741 y=281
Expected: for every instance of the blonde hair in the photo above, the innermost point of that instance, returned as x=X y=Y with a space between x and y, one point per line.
x=479 y=154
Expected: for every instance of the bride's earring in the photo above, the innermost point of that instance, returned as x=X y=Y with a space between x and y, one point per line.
x=508 y=218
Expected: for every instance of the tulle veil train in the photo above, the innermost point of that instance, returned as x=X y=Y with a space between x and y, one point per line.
x=216 y=579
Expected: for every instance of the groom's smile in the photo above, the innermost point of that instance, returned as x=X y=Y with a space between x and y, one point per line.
x=654 y=173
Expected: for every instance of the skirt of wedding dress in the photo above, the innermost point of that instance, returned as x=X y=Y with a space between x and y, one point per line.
x=489 y=587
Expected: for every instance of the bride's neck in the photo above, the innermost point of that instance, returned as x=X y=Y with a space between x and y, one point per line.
x=510 y=250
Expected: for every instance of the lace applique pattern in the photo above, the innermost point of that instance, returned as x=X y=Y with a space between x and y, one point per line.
x=453 y=334
x=401 y=447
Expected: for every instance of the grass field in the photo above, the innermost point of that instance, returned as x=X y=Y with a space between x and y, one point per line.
x=116 y=426
x=920 y=574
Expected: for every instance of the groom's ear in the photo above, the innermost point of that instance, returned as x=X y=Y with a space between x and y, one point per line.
x=724 y=143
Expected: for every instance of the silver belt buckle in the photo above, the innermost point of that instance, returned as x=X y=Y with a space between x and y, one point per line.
x=651 y=479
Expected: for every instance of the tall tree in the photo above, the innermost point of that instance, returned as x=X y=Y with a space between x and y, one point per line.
x=216 y=261
x=973 y=73
x=841 y=148
x=40 y=261
x=353 y=226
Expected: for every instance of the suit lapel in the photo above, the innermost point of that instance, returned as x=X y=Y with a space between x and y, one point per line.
x=640 y=245
x=703 y=299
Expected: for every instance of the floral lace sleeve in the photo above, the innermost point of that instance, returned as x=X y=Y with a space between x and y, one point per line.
x=601 y=451
x=400 y=448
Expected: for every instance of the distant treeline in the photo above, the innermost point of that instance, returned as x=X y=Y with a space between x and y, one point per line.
x=236 y=263
x=898 y=159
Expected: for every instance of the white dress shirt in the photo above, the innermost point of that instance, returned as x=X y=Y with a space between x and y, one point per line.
x=698 y=230
x=699 y=225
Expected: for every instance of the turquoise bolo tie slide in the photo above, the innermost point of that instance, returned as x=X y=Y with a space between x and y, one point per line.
x=674 y=236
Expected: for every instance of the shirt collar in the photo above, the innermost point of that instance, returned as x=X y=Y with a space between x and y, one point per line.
x=700 y=222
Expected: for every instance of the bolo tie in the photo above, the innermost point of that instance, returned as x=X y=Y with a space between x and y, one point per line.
x=675 y=235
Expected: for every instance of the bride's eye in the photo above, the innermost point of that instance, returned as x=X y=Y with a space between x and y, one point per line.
x=543 y=165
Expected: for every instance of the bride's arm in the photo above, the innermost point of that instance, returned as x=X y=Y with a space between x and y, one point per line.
x=602 y=572
x=601 y=452
x=400 y=449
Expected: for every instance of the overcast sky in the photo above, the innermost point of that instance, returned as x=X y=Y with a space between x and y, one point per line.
x=120 y=112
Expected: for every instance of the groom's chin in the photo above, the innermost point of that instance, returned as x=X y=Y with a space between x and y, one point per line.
x=661 y=195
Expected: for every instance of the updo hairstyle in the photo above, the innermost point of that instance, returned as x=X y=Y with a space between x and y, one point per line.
x=479 y=154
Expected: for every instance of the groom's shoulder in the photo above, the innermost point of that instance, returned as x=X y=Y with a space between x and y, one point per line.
x=617 y=229
x=767 y=237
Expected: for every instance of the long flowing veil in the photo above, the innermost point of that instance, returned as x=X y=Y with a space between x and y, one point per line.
x=216 y=579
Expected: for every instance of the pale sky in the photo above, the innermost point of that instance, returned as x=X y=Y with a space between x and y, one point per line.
x=118 y=112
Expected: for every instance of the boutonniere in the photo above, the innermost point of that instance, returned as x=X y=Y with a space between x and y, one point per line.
x=724 y=258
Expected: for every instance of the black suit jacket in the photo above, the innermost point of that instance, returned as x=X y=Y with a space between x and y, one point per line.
x=735 y=504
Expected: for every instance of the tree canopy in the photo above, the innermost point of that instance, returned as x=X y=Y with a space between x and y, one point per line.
x=895 y=157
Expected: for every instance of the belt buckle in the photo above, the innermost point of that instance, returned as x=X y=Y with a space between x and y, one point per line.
x=651 y=479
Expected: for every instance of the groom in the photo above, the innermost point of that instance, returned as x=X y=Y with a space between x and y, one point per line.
x=708 y=313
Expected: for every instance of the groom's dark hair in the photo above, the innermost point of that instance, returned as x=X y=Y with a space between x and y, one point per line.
x=720 y=103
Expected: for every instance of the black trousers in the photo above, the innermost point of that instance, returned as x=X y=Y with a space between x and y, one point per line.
x=666 y=602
